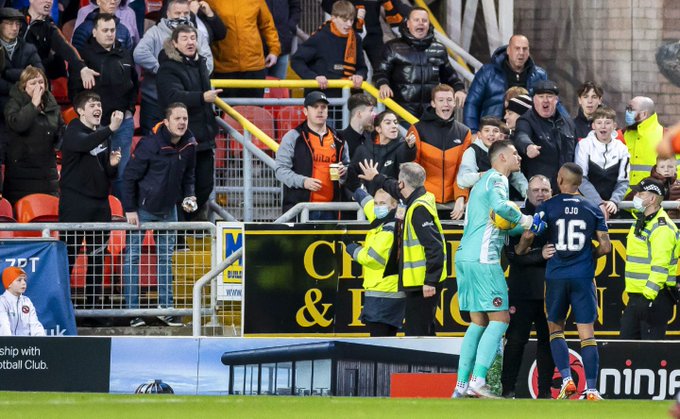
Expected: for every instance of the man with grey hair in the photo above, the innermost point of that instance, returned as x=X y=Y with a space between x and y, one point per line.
x=419 y=256
x=643 y=134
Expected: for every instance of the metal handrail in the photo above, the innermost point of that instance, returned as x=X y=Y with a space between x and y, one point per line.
x=235 y=134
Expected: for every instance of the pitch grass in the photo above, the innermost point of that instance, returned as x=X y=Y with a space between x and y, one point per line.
x=100 y=406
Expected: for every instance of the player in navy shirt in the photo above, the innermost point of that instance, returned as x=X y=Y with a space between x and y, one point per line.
x=573 y=222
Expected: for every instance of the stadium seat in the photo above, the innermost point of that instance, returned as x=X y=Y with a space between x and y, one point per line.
x=258 y=116
x=69 y=115
x=6 y=216
x=287 y=118
x=37 y=208
x=117 y=213
x=60 y=90
x=6 y=212
x=275 y=93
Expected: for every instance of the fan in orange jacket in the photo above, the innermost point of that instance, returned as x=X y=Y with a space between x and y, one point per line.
x=440 y=143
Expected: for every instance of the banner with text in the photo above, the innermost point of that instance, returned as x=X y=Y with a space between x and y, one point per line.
x=301 y=281
x=229 y=240
x=46 y=265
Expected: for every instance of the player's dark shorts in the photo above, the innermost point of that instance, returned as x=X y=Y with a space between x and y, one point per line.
x=577 y=292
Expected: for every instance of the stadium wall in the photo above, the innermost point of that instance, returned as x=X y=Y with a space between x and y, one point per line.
x=613 y=42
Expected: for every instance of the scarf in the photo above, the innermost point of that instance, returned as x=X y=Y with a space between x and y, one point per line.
x=9 y=46
x=350 y=59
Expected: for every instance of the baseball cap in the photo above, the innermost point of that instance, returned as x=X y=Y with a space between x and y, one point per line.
x=520 y=104
x=650 y=184
x=314 y=97
x=10 y=274
x=546 y=86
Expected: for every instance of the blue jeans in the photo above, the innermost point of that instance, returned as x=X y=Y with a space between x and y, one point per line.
x=122 y=139
x=165 y=245
x=280 y=69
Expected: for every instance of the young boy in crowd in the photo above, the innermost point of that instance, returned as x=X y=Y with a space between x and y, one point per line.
x=333 y=52
x=476 y=159
x=605 y=162
x=17 y=314
x=666 y=171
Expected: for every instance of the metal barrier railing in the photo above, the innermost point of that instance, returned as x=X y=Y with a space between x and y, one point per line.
x=119 y=270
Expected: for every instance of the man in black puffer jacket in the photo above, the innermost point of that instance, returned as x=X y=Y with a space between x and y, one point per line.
x=183 y=77
x=415 y=63
x=117 y=84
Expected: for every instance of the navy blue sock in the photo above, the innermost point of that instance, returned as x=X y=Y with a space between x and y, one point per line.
x=560 y=353
x=591 y=361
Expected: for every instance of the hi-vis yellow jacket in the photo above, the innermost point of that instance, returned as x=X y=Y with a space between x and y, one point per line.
x=375 y=252
x=652 y=257
x=415 y=260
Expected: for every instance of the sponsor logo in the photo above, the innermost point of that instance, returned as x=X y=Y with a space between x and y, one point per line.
x=660 y=383
x=497 y=302
x=25 y=309
x=578 y=373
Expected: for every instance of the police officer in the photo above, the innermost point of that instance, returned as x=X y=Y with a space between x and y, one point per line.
x=652 y=249
x=420 y=254
x=526 y=284
x=383 y=308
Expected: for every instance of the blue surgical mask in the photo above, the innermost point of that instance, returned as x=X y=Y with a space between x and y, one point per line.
x=639 y=204
x=381 y=211
x=630 y=117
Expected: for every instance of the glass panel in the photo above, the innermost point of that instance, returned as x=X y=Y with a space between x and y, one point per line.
x=322 y=377
x=303 y=378
x=284 y=378
x=251 y=379
x=239 y=378
x=267 y=378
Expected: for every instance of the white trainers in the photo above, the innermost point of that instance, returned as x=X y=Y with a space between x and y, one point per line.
x=593 y=395
x=458 y=395
x=483 y=392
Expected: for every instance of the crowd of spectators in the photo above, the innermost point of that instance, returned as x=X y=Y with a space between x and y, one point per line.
x=117 y=54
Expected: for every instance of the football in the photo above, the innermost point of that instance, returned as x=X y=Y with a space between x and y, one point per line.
x=500 y=222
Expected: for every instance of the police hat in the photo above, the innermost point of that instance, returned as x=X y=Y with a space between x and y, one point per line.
x=650 y=184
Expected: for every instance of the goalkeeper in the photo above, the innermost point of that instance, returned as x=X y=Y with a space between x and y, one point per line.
x=482 y=289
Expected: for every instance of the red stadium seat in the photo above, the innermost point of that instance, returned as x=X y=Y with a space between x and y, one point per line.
x=6 y=216
x=69 y=115
x=288 y=118
x=6 y=212
x=37 y=208
x=60 y=90
x=258 y=116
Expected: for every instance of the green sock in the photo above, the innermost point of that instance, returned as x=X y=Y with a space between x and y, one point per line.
x=488 y=347
x=468 y=351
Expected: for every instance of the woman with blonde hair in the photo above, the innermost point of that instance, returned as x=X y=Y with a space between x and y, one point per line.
x=34 y=123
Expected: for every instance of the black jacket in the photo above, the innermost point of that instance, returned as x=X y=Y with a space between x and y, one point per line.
x=353 y=139
x=412 y=67
x=582 y=125
x=323 y=55
x=388 y=156
x=183 y=79
x=117 y=83
x=25 y=54
x=52 y=46
x=159 y=173
x=31 y=164
x=526 y=280
x=85 y=167
x=286 y=14
x=555 y=135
